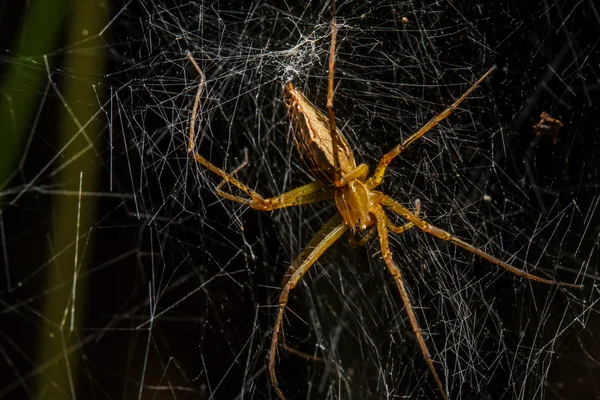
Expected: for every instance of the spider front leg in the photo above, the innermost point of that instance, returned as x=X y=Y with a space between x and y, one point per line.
x=437 y=232
x=382 y=229
x=327 y=235
x=377 y=177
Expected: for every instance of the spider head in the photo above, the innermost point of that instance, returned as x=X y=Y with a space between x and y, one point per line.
x=354 y=202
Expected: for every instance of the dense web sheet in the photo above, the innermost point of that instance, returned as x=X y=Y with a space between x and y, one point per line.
x=130 y=278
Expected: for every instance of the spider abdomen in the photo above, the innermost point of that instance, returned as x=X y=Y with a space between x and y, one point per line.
x=312 y=136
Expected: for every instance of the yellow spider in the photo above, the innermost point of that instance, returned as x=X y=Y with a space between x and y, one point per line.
x=330 y=160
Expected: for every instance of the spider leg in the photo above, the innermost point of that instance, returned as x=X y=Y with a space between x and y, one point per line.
x=407 y=226
x=218 y=189
x=327 y=235
x=377 y=177
x=330 y=112
x=399 y=229
x=382 y=229
x=201 y=86
x=306 y=194
x=299 y=353
x=437 y=232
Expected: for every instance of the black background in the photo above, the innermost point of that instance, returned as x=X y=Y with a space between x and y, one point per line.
x=200 y=337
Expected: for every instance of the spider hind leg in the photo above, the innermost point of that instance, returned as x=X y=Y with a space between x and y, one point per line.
x=329 y=234
x=382 y=229
x=442 y=234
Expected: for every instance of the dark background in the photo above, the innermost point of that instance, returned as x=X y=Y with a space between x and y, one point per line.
x=176 y=288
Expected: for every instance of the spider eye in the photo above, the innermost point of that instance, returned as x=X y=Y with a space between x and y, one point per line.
x=358 y=220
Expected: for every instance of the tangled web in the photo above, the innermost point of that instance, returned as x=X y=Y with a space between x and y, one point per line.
x=141 y=282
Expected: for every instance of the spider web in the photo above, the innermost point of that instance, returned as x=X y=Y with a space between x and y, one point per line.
x=143 y=283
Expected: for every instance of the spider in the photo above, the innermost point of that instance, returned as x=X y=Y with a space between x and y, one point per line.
x=360 y=208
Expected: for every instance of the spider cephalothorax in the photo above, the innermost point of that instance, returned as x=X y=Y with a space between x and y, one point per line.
x=354 y=202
